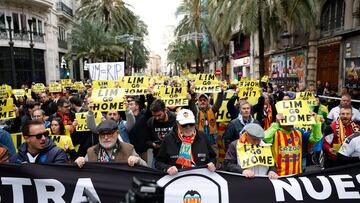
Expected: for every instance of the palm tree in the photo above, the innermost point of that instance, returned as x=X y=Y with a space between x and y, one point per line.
x=181 y=54
x=266 y=18
x=139 y=52
x=113 y=13
x=89 y=40
x=193 y=22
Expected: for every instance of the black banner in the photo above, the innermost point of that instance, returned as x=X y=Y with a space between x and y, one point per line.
x=110 y=183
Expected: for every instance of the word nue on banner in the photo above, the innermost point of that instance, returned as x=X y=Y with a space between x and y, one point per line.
x=295 y=112
x=207 y=83
x=174 y=96
x=108 y=99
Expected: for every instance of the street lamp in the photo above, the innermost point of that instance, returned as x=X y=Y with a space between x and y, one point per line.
x=286 y=36
x=127 y=38
x=73 y=58
x=30 y=22
x=11 y=43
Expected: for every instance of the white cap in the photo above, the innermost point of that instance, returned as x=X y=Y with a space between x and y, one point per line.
x=185 y=116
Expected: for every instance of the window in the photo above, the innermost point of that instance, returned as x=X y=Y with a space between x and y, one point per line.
x=40 y=27
x=2 y=21
x=23 y=23
x=16 y=22
x=34 y=26
x=332 y=15
x=61 y=36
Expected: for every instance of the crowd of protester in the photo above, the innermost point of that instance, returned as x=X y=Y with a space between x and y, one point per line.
x=187 y=137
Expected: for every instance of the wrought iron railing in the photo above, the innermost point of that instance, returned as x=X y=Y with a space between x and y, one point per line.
x=22 y=36
x=62 y=44
x=60 y=6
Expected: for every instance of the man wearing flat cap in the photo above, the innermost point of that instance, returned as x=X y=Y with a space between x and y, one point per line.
x=110 y=148
x=240 y=157
x=185 y=147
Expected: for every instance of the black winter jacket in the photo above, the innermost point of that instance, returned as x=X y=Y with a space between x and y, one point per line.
x=170 y=147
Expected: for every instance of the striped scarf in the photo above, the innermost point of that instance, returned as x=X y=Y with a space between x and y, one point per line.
x=340 y=130
x=185 y=158
x=267 y=117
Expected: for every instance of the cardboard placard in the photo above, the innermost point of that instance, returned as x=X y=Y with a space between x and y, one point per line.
x=207 y=83
x=136 y=85
x=7 y=109
x=174 y=96
x=253 y=155
x=295 y=112
x=108 y=99
x=55 y=87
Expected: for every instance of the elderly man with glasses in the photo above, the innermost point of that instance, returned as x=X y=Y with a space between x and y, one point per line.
x=110 y=148
x=38 y=148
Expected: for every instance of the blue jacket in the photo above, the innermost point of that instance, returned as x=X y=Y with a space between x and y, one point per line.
x=6 y=140
x=50 y=154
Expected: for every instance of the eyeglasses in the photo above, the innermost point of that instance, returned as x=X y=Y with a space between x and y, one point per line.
x=188 y=124
x=106 y=133
x=40 y=135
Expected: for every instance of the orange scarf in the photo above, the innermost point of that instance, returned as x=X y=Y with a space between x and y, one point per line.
x=185 y=158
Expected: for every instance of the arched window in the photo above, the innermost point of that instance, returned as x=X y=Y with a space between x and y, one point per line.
x=332 y=16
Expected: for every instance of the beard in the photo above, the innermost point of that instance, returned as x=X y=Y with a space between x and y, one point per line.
x=107 y=145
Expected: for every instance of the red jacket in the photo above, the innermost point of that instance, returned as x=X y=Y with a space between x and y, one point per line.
x=328 y=142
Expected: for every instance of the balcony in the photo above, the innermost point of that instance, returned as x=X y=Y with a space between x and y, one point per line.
x=38 y=4
x=64 y=11
x=21 y=36
x=62 y=44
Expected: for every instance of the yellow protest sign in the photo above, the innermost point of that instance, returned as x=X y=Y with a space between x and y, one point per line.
x=108 y=99
x=81 y=119
x=66 y=83
x=55 y=87
x=250 y=93
x=254 y=155
x=295 y=112
x=18 y=139
x=38 y=88
x=223 y=115
x=248 y=83
x=207 y=83
x=79 y=86
x=191 y=76
x=174 y=96
x=102 y=84
x=18 y=92
x=265 y=78
x=5 y=90
x=63 y=141
x=305 y=95
x=7 y=109
x=136 y=85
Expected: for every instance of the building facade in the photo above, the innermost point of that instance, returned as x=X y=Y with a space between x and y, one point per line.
x=34 y=40
x=329 y=52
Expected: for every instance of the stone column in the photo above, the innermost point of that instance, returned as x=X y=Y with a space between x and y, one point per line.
x=348 y=21
x=356 y=13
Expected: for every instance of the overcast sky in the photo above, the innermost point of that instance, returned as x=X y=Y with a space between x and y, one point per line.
x=158 y=15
